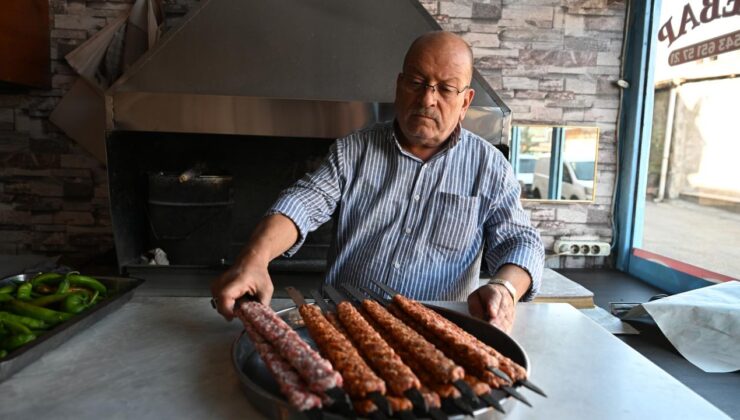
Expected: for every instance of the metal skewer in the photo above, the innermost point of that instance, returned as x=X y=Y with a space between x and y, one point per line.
x=320 y=302
x=513 y=392
x=375 y=295
x=381 y=402
x=498 y=372
x=527 y=384
x=492 y=402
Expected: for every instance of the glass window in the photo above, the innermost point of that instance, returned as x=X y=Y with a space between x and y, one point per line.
x=692 y=198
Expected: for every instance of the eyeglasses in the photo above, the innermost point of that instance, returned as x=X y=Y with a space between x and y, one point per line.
x=417 y=85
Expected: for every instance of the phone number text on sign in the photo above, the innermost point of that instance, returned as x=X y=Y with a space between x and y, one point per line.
x=704 y=49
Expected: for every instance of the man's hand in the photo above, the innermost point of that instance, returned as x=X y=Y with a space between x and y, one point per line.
x=273 y=235
x=493 y=303
x=239 y=280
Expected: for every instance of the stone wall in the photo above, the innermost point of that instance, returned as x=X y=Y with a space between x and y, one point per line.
x=552 y=61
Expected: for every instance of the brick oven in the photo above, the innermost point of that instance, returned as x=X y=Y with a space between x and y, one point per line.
x=249 y=96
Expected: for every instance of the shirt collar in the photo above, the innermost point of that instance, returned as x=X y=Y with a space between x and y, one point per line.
x=451 y=141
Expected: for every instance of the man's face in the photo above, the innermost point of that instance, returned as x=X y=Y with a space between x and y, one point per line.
x=427 y=117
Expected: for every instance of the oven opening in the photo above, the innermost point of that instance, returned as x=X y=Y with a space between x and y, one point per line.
x=197 y=197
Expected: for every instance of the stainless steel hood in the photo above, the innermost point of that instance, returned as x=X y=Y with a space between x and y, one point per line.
x=296 y=68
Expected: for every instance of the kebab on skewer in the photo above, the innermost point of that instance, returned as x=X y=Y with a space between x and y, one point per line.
x=465 y=348
x=288 y=380
x=479 y=388
x=440 y=385
x=359 y=380
x=329 y=314
x=316 y=371
x=444 y=396
x=379 y=401
x=422 y=353
x=399 y=378
x=367 y=408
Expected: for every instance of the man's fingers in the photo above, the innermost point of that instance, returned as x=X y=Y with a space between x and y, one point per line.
x=225 y=306
x=475 y=306
x=492 y=298
x=500 y=307
x=227 y=297
x=265 y=297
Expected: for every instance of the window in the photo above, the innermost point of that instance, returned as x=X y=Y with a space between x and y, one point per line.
x=678 y=217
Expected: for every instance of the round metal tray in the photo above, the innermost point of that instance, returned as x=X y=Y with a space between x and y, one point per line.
x=262 y=391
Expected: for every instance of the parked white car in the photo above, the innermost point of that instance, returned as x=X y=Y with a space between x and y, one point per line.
x=578 y=179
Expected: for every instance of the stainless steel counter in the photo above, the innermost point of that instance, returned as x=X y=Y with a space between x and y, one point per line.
x=165 y=357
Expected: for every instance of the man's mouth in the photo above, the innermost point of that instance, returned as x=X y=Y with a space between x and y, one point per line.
x=424 y=116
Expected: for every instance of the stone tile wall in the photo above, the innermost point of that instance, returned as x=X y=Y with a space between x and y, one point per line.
x=552 y=61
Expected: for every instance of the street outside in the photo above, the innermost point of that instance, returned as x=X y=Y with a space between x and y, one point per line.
x=703 y=236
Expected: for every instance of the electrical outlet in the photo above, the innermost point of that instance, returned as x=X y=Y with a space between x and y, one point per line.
x=581 y=248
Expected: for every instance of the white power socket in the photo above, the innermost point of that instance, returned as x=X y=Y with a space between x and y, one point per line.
x=582 y=248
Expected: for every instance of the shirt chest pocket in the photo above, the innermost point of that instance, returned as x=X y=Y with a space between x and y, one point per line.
x=455 y=219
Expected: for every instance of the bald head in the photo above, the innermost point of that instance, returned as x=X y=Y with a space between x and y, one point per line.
x=440 y=43
x=433 y=91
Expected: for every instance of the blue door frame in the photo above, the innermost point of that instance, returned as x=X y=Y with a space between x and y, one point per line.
x=635 y=127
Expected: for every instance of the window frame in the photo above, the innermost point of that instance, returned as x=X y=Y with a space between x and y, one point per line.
x=635 y=128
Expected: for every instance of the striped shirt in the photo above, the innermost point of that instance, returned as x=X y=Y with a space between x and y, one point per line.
x=417 y=226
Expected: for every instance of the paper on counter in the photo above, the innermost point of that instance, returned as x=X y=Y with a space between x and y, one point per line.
x=703 y=325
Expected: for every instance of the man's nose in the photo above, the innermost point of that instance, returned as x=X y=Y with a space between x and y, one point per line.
x=429 y=96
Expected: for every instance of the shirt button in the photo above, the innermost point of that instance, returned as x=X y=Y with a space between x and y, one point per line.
x=408 y=230
x=397 y=264
x=417 y=197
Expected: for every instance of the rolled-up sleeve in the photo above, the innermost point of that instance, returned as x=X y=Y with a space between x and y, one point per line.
x=311 y=201
x=510 y=236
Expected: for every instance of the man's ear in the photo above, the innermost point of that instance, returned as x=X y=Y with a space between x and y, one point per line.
x=467 y=100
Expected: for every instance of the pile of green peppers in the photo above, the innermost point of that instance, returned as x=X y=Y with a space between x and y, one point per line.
x=30 y=308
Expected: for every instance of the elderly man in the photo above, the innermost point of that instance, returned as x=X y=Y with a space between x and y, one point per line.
x=415 y=200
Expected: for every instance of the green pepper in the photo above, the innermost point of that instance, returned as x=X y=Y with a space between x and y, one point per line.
x=47 y=300
x=63 y=286
x=15 y=341
x=44 y=314
x=87 y=292
x=46 y=278
x=15 y=327
x=8 y=288
x=3 y=353
x=27 y=321
x=86 y=281
x=74 y=304
x=43 y=289
x=24 y=291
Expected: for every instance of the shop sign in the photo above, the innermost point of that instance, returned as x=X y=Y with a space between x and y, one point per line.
x=704 y=49
x=693 y=16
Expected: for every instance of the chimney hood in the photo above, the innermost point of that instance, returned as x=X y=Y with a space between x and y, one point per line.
x=291 y=68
